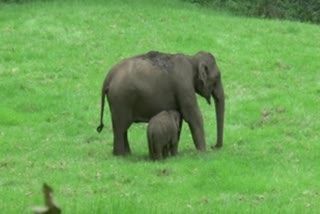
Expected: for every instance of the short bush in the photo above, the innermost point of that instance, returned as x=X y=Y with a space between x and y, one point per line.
x=307 y=11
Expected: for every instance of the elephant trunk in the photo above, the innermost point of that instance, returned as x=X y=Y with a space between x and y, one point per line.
x=218 y=95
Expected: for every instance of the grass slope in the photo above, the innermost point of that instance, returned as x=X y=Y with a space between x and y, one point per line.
x=53 y=58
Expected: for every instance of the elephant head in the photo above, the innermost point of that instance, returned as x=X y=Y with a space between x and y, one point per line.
x=208 y=83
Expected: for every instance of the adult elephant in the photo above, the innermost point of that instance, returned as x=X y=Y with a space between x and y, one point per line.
x=140 y=87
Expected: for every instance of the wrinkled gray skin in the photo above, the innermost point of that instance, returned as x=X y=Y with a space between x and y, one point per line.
x=140 y=87
x=163 y=134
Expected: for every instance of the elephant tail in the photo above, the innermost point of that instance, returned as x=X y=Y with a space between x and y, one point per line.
x=103 y=98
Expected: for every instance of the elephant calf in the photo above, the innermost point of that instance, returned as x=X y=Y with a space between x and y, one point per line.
x=163 y=134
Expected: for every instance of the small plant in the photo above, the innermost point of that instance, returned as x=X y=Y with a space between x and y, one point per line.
x=307 y=11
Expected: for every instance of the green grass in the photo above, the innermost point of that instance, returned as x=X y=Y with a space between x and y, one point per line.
x=53 y=58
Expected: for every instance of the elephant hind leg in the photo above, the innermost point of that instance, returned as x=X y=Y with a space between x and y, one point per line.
x=174 y=145
x=126 y=143
x=173 y=149
x=165 y=151
x=158 y=150
x=120 y=126
x=120 y=146
x=151 y=147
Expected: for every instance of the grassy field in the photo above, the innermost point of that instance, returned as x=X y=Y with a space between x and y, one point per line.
x=53 y=58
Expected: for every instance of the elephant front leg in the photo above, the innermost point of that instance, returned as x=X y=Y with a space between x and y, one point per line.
x=198 y=137
x=194 y=119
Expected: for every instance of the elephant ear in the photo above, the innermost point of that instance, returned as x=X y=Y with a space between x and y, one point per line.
x=203 y=73
x=203 y=76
